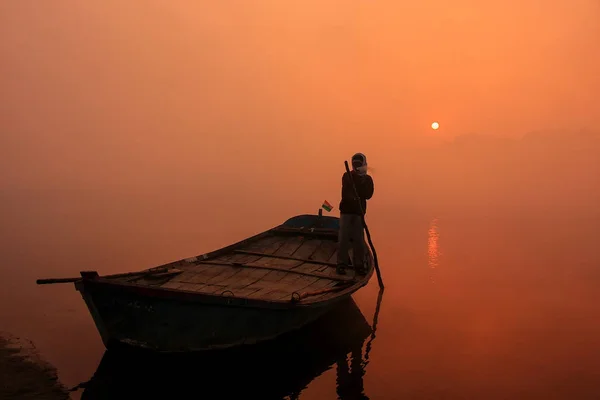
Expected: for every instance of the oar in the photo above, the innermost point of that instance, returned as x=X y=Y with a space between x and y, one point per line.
x=362 y=216
x=151 y=272
x=56 y=280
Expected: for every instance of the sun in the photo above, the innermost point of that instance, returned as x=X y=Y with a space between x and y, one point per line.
x=435 y=126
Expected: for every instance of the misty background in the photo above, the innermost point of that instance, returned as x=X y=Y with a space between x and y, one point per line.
x=233 y=116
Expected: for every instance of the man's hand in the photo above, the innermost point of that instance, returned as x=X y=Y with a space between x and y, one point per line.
x=359 y=177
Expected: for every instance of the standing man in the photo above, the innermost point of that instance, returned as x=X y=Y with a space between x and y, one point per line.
x=351 y=226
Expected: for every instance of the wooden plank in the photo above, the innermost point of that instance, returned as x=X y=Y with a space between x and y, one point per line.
x=189 y=286
x=326 y=295
x=298 y=286
x=331 y=273
x=158 y=277
x=242 y=258
x=325 y=251
x=307 y=252
x=280 y=257
x=310 y=232
x=269 y=295
x=260 y=293
x=244 y=273
x=275 y=262
x=186 y=276
x=200 y=273
x=196 y=268
x=242 y=282
x=286 y=285
x=306 y=249
x=333 y=258
x=172 y=285
x=274 y=276
x=245 y=278
x=290 y=246
x=268 y=245
x=325 y=268
x=288 y=279
x=216 y=270
x=193 y=260
x=258 y=276
x=304 y=282
x=244 y=292
x=320 y=284
x=291 y=283
x=210 y=289
x=313 y=274
x=317 y=286
x=154 y=283
x=196 y=288
x=222 y=258
x=212 y=275
x=228 y=273
x=310 y=267
x=198 y=279
x=321 y=293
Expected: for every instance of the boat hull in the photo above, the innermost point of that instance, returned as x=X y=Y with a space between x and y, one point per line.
x=248 y=292
x=277 y=369
x=171 y=325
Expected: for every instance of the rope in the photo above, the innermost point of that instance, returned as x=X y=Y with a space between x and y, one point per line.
x=298 y=297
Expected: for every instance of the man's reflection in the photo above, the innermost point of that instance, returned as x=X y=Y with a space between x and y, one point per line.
x=350 y=375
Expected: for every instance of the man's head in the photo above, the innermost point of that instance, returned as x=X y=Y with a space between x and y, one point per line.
x=359 y=163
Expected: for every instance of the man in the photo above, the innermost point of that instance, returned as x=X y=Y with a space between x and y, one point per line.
x=351 y=226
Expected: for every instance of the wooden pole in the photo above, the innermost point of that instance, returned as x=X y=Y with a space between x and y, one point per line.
x=57 y=280
x=362 y=216
x=157 y=270
x=374 y=325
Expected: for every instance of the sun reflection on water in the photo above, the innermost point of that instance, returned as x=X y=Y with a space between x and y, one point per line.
x=433 y=250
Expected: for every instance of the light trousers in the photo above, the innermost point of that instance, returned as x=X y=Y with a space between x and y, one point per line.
x=351 y=235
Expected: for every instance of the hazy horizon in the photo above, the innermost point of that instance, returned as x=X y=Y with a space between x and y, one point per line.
x=234 y=116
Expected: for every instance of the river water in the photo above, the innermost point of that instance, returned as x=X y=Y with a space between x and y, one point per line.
x=479 y=307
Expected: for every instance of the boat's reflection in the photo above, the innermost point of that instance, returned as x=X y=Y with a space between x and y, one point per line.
x=275 y=370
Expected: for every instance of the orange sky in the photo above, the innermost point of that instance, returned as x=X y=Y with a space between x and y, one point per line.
x=205 y=94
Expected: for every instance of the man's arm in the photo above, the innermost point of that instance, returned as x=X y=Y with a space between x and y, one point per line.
x=367 y=187
x=364 y=185
x=346 y=181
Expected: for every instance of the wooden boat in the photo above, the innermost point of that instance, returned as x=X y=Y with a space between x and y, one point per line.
x=248 y=292
x=273 y=369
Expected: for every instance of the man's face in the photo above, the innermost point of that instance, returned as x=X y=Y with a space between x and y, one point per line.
x=359 y=167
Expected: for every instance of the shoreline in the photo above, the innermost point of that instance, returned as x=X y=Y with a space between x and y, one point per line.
x=25 y=374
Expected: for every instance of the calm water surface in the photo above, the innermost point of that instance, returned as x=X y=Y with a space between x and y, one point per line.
x=474 y=307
